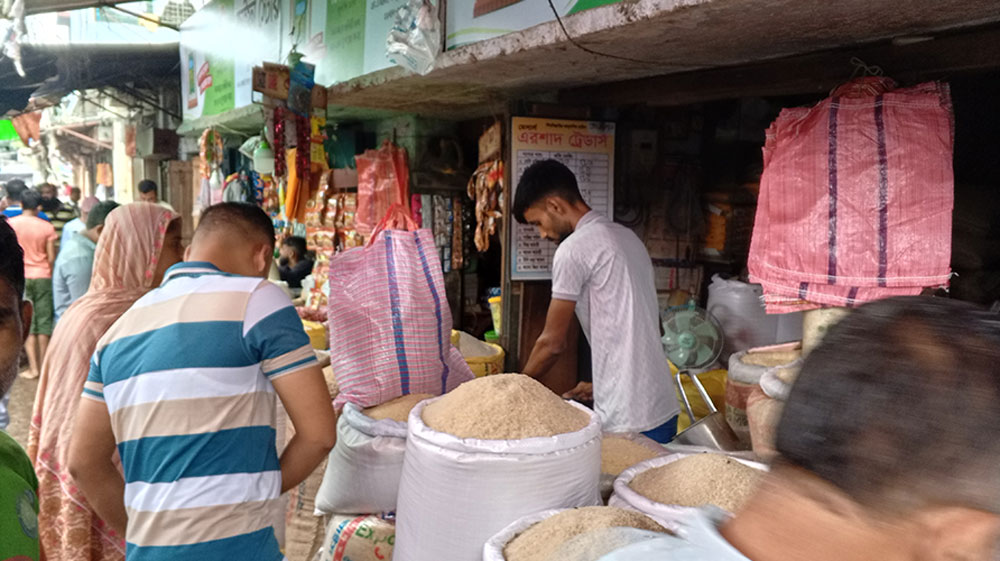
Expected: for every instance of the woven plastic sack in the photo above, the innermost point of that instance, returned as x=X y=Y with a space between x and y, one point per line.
x=362 y=473
x=390 y=324
x=383 y=181
x=358 y=538
x=856 y=197
x=670 y=517
x=456 y=493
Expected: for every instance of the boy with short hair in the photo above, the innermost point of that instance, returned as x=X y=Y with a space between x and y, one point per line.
x=183 y=386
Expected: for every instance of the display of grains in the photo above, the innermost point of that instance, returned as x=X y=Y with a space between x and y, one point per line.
x=397 y=409
x=698 y=480
x=770 y=359
x=619 y=453
x=545 y=539
x=503 y=407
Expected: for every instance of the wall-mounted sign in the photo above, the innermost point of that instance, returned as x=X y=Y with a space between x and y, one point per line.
x=587 y=148
x=469 y=21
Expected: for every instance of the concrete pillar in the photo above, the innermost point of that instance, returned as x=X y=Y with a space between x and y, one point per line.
x=121 y=164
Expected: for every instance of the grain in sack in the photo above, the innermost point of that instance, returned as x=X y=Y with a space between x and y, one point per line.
x=362 y=474
x=671 y=488
x=580 y=534
x=745 y=371
x=527 y=451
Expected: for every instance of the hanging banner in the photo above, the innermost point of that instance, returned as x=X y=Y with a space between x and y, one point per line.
x=469 y=21
x=343 y=38
x=219 y=46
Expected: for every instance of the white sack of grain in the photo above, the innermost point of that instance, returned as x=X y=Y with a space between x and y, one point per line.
x=362 y=474
x=622 y=451
x=671 y=516
x=456 y=493
x=588 y=545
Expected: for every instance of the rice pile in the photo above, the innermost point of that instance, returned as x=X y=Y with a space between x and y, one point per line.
x=770 y=359
x=618 y=454
x=398 y=409
x=503 y=407
x=541 y=541
x=698 y=480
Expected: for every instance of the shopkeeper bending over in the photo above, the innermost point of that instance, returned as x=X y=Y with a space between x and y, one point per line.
x=602 y=272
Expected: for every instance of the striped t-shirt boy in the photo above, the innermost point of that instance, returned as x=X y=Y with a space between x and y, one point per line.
x=186 y=376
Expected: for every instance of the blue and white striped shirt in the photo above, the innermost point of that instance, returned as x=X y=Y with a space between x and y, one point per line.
x=186 y=375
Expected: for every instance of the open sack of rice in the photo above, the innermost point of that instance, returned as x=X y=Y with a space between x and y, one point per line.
x=668 y=489
x=580 y=534
x=492 y=451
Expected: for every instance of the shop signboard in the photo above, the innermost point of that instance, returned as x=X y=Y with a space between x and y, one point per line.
x=469 y=21
x=587 y=148
x=343 y=38
x=219 y=46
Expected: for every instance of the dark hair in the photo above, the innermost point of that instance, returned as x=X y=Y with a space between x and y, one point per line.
x=899 y=406
x=546 y=178
x=246 y=219
x=297 y=243
x=75 y=191
x=15 y=188
x=31 y=199
x=147 y=186
x=11 y=258
x=100 y=213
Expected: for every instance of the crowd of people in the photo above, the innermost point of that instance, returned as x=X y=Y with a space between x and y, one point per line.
x=153 y=432
x=156 y=393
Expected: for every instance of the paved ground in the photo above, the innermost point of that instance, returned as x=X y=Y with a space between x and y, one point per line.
x=22 y=399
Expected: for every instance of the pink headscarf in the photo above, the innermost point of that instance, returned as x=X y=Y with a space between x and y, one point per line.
x=124 y=267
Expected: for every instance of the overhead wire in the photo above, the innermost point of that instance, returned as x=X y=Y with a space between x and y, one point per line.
x=594 y=52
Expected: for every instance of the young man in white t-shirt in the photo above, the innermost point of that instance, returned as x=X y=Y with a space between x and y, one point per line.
x=602 y=273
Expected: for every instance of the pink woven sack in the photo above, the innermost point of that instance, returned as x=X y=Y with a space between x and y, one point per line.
x=390 y=324
x=856 y=197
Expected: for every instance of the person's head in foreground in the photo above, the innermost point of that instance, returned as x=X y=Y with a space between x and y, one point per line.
x=148 y=191
x=888 y=446
x=548 y=198
x=50 y=197
x=892 y=433
x=237 y=238
x=15 y=313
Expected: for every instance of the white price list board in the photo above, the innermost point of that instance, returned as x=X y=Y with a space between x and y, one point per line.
x=587 y=148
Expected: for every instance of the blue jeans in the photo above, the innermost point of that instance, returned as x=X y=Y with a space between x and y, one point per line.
x=663 y=433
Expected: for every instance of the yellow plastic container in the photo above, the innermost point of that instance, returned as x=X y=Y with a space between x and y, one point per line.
x=483 y=358
x=317 y=334
x=497 y=310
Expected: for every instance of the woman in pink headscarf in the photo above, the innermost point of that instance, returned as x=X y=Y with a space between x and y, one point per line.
x=139 y=243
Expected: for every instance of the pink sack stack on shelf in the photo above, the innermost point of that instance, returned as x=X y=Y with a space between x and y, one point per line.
x=856 y=197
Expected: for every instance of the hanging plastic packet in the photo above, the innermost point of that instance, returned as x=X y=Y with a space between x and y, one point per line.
x=414 y=41
x=12 y=32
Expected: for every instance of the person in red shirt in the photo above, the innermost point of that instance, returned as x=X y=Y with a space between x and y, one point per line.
x=37 y=238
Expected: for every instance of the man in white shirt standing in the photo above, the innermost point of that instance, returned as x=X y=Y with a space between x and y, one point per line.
x=601 y=272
